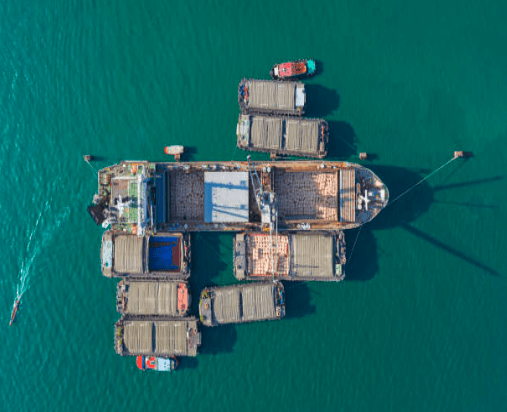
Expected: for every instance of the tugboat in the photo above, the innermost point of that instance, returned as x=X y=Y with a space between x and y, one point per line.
x=156 y=364
x=14 y=312
x=293 y=70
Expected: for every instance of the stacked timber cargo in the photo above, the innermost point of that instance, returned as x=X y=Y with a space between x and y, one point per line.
x=271 y=97
x=242 y=303
x=283 y=135
x=153 y=296
x=290 y=256
x=261 y=129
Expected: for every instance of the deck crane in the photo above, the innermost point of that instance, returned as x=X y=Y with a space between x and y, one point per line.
x=268 y=206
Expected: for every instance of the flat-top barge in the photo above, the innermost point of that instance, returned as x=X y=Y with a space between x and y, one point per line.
x=242 y=303
x=160 y=256
x=235 y=196
x=157 y=336
x=147 y=297
x=283 y=135
x=290 y=256
x=271 y=97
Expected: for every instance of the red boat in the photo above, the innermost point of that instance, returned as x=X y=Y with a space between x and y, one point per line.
x=293 y=70
x=14 y=312
x=156 y=364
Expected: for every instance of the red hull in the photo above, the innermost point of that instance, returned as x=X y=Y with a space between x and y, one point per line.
x=14 y=312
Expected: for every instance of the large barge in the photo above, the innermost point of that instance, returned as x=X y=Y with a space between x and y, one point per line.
x=290 y=256
x=156 y=298
x=248 y=302
x=235 y=196
x=271 y=97
x=283 y=135
x=157 y=336
x=160 y=256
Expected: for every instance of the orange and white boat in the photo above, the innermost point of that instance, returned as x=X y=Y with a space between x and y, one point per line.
x=157 y=364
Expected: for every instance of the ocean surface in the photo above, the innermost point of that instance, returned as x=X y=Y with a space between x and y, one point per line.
x=420 y=324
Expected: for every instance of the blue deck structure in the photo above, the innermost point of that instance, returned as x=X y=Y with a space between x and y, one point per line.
x=164 y=254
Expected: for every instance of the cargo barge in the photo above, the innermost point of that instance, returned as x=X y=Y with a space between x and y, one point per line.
x=241 y=303
x=162 y=337
x=146 y=297
x=283 y=135
x=233 y=196
x=290 y=256
x=271 y=97
x=160 y=256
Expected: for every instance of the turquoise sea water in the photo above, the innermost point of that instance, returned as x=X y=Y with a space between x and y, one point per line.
x=420 y=324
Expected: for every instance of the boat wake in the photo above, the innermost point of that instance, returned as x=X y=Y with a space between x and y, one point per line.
x=34 y=247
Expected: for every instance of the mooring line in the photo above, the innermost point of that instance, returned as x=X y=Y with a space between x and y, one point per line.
x=422 y=180
x=89 y=164
x=354 y=245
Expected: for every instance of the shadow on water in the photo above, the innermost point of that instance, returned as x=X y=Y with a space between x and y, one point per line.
x=362 y=263
x=187 y=363
x=320 y=101
x=189 y=153
x=342 y=140
x=400 y=214
x=319 y=67
x=297 y=300
x=207 y=265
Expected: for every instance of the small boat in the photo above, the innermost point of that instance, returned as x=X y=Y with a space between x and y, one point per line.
x=14 y=312
x=175 y=150
x=157 y=364
x=293 y=70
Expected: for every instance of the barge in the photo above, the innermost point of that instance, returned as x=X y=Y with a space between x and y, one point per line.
x=290 y=256
x=160 y=256
x=283 y=135
x=271 y=97
x=242 y=303
x=145 y=297
x=235 y=196
x=163 y=337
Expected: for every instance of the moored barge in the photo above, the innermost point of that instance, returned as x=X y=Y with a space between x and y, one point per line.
x=238 y=196
x=290 y=256
x=147 y=297
x=162 y=337
x=160 y=256
x=271 y=97
x=283 y=135
x=242 y=303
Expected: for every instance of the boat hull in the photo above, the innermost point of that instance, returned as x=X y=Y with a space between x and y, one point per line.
x=295 y=70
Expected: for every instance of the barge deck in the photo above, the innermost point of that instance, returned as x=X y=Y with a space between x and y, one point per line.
x=242 y=303
x=157 y=336
x=271 y=97
x=290 y=256
x=161 y=256
x=283 y=135
x=144 y=297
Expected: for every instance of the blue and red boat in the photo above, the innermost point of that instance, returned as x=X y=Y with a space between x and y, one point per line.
x=293 y=70
x=157 y=364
